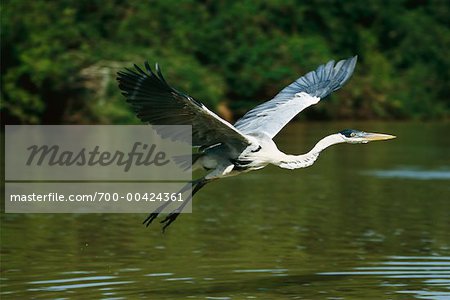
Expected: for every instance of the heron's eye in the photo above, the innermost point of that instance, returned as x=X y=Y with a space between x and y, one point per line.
x=352 y=134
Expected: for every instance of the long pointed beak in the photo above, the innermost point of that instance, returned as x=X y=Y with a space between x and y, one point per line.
x=369 y=136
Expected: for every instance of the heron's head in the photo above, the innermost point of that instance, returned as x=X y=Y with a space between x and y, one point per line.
x=353 y=136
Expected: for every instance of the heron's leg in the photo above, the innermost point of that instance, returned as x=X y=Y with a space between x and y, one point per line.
x=174 y=214
x=157 y=211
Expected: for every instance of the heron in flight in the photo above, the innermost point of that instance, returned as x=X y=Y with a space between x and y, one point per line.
x=228 y=150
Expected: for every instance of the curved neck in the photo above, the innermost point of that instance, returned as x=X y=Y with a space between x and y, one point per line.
x=306 y=160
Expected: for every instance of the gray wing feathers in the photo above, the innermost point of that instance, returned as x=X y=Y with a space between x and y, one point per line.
x=325 y=80
x=270 y=117
x=155 y=102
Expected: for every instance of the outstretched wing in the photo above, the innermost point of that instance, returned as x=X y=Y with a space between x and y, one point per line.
x=271 y=116
x=155 y=102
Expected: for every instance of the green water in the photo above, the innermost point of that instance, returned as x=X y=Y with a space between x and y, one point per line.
x=365 y=222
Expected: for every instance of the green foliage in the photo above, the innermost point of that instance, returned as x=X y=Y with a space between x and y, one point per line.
x=59 y=58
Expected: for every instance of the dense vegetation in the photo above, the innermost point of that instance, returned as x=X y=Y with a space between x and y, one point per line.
x=59 y=58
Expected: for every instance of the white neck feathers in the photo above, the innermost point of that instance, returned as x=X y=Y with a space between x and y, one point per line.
x=306 y=160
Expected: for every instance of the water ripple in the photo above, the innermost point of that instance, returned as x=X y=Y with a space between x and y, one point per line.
x=78 y=286
x=72 y=279
x=411 y=174
x=433 y=271
x=274 y=271
x=78 y=283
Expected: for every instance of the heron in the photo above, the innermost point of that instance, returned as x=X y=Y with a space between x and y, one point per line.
x=224 y=149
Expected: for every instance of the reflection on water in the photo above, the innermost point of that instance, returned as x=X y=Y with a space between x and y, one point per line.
x=405 y=273
x=337 y=230
x=411 y=174
x=65 y=287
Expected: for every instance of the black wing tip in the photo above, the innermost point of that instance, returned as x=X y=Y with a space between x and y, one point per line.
x=157 y=73
x=129 y=76
x=137 y=71
x=128 y=73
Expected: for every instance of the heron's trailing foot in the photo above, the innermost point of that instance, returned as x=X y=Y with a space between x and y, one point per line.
x=198 y=184
x=150 y=218
x=154 y=214
x=169 y=219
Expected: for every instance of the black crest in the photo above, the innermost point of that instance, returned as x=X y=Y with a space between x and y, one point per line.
x=349 y=132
